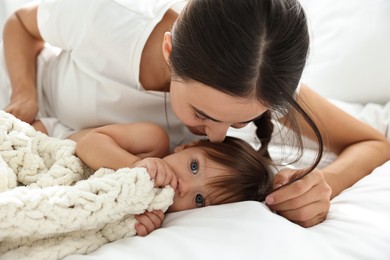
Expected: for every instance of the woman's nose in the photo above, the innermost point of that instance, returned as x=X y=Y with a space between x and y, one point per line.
x=216 y=133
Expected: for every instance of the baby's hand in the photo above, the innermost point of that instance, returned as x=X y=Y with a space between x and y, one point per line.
x=159 y=171
x=148 y=222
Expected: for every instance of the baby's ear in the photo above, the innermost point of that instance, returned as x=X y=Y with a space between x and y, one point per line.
x=185 y=146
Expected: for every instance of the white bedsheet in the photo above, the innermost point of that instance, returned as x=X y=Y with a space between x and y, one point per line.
x=357 y=227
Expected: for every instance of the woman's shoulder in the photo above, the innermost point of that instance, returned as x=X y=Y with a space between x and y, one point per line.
x=149 y=7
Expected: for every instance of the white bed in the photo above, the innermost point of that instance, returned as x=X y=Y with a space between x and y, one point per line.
x=349 y=62
x=357 y=228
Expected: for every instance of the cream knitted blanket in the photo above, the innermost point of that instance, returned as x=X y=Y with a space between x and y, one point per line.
x=51 y=205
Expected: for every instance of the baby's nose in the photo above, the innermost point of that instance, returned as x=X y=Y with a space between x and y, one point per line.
x=183 y=187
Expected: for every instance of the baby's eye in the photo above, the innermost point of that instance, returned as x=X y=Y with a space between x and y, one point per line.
x=194 y=166
x=199 y=200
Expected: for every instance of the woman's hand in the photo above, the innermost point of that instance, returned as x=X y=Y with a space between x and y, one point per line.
x=148 y=222
x=39 y=126
x=159 y=171
x=305 y=202
x=26 y=109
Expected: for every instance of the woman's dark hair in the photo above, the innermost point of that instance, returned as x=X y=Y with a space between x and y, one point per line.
x=249 y=49
x=249 y=175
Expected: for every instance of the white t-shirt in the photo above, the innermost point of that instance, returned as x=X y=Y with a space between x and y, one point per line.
x=94 y=79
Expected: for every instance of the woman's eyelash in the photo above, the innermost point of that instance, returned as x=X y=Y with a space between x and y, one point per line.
x=197 y=117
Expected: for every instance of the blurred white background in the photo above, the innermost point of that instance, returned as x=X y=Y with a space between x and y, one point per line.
x=7 y=7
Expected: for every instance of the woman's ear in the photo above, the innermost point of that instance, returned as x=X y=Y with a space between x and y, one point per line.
x=167 y=46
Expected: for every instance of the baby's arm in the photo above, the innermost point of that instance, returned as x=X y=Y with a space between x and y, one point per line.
x=125 y=145
x=121 y=145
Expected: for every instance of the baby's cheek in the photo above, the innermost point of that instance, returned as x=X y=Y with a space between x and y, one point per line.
x=179 y=204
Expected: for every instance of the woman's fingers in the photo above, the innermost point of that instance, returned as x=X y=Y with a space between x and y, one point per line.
x=301 y=194
x=308 y=214
x=305 y=201
x=297 y=188
x=283 y=177
x=313 y=221
x=25 y=110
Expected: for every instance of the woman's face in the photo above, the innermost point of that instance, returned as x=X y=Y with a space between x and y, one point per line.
x=207 y=111
x=193 y=170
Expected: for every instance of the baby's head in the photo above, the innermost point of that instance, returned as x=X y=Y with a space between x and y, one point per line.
x=218 y=173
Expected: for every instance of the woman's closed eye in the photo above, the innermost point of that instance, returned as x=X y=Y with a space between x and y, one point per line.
x=235 y=125
x=199 y=117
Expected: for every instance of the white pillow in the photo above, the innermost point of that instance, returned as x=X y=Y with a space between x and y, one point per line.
x=350 y=49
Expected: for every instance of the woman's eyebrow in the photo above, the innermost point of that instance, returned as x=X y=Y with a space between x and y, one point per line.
x=247 y=122
x=200 y=112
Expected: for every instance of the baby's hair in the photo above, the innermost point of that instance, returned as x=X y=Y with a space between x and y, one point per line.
x=249 y=176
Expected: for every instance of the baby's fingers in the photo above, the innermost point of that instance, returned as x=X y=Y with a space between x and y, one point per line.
x=159 y=180
x=150 y=166
x=165 y=176
x=170 y=178
x=148 y=222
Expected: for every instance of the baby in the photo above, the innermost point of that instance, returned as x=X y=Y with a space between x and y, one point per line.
x=201 y=173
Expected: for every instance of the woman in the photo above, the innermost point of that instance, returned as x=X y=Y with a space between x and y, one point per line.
x=224 y=62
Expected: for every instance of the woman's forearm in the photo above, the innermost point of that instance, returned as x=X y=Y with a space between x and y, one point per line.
x=359 y=147
x=355 y=162
x=22 y=44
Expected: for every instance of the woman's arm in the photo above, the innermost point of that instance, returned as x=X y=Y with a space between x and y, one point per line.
x=22 y=44
x=359 y=147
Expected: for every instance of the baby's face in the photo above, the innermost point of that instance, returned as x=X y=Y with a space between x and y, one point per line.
x=193 y=171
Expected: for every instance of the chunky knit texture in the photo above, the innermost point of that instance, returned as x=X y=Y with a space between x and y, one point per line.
x=52 y=205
